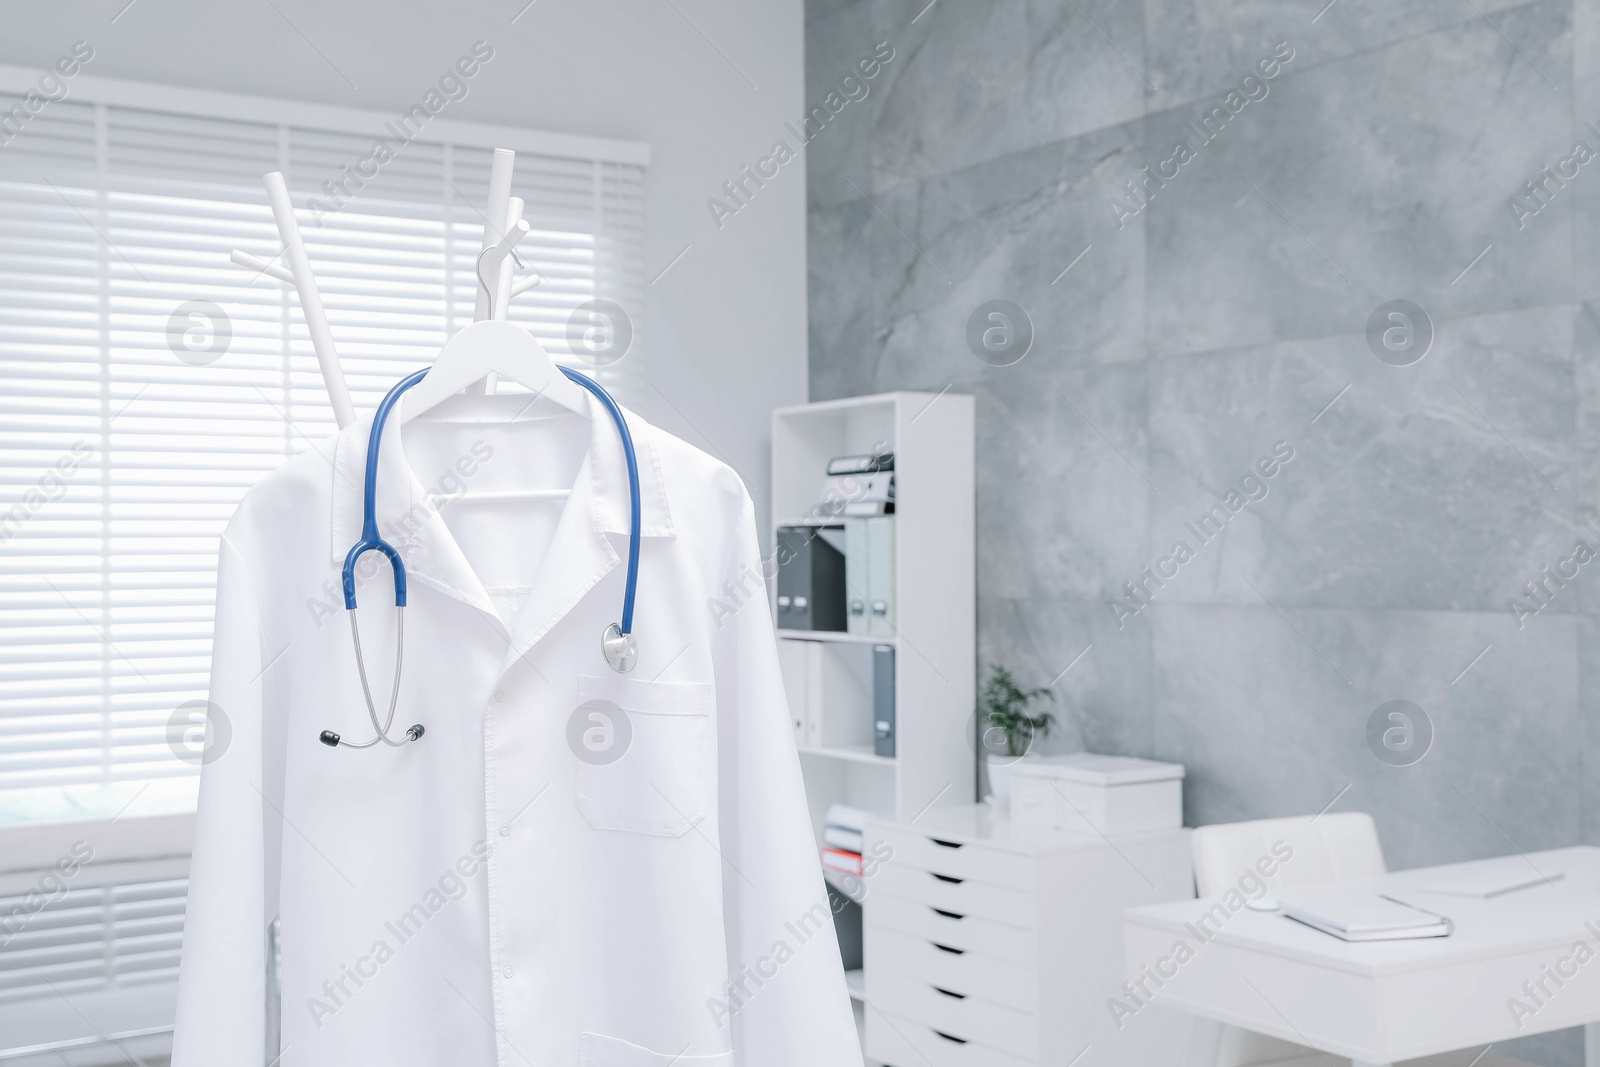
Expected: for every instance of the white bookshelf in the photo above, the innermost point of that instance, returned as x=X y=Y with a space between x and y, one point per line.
x=835 y=636
x=935 y=587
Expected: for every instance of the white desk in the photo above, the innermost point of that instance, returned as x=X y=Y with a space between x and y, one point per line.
x=1380 y=1002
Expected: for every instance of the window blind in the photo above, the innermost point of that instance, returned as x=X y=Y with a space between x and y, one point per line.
x=92 y=940
x=146 y=383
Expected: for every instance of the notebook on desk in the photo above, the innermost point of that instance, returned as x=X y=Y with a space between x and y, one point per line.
x=1363 y=915
x=1494 y=882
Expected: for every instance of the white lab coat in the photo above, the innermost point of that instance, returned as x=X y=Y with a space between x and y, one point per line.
x=483 y=896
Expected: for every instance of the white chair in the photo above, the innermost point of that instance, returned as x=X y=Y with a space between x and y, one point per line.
x=1328 y=850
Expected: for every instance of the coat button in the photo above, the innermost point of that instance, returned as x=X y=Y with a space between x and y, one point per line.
x=508 y=972
x=499 y=696
x=505 y=831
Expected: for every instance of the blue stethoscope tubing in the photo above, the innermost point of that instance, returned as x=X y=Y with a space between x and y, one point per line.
x=617 y=643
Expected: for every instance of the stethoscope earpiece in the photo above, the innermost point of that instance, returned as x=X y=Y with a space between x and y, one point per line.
x=331 y=739
x=620 y=647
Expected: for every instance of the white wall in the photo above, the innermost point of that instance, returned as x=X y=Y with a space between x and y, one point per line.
x=708 y=83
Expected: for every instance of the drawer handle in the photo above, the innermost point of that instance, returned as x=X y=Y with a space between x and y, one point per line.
x=948 y=993
x=948 y=914
x=946 y=844
x=948 y=878
x=951 y=1037
x=947 y=948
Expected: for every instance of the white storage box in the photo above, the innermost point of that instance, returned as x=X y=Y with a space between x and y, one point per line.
x=1089 y=792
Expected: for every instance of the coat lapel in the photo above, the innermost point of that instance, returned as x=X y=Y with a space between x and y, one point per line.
x=407 y=519
x=592 y=537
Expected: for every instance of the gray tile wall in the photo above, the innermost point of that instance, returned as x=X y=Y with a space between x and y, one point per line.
x=1230 y=312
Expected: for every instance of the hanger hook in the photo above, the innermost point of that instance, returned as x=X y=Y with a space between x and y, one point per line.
x=479 y=272
x=487 y=288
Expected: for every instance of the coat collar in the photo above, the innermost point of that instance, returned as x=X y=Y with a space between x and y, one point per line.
x=580 y=553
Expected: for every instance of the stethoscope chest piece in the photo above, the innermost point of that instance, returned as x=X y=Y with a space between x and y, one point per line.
x=622 y=650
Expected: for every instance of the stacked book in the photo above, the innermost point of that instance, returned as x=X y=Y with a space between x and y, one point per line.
x=841 y=839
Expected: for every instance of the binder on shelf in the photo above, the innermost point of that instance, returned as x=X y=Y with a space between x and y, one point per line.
x=794 y=663
x=811 y=578
x=830 y=688
x=855 y=575
x=841 y=698
x=883 y=700
x=812 y=651
x=880 y=577
x=868 y=464
x=859 y=494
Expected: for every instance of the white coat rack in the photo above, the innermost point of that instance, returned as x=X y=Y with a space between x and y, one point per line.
x=496 y=280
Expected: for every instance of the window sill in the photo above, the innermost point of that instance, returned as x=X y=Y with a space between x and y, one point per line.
x=122 y=822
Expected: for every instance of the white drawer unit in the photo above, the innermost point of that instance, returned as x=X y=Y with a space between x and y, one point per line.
x=954 y=931
x=958 y=894
x=895 y=1039
x=997 y=943
x=952 y=970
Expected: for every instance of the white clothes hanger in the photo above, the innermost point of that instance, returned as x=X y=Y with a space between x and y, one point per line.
x=492 y=346
x=505 y=349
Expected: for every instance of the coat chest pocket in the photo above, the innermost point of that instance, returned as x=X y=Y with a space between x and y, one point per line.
x=643 y=754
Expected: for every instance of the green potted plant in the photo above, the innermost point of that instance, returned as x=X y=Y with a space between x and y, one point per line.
x=1008 y=730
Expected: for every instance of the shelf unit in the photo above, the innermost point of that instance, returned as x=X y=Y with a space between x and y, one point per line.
x=836 y=637
x=858 y=753
x=935 y=587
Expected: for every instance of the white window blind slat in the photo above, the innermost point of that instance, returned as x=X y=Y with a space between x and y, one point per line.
x=93 y=939
x=120 y=462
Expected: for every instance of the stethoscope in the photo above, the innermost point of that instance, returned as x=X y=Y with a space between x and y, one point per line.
x=617 y=642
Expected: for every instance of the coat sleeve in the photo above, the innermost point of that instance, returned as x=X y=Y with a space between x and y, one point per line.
x=222 y=975
x=787 y=1002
